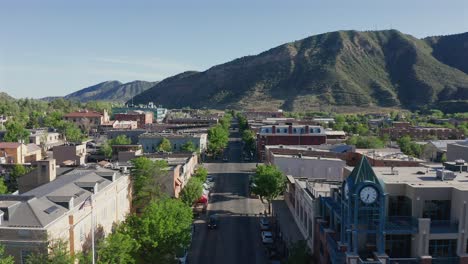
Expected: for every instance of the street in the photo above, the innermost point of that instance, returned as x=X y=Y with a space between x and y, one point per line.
x=237 y=238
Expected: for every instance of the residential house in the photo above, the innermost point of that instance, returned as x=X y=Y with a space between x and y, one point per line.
x=18 y=153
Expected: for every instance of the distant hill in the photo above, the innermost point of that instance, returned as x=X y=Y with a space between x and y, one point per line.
x=352 y=68
x=110 y=91
x=5 y=97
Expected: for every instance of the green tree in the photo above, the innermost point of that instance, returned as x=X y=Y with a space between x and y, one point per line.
x=121 y=140
x=118 y=248
x=146 y=176
x=3 y=188
x=163 y=227
x=106 y=149
x=15 y=132
x=201 y=173
x=165 y=145
x=17 y=171
x=269 y=182
x=218 y=139
x=4 y=258
x=299 y=253
x=192 y=191
x=57 y=254
x=189 y=147
x=249 y=138
x=71 y=132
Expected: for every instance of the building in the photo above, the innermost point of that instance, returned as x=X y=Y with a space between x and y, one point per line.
x=289 y=135
x=335 y=136
x=159 y=113
x=259 y=115
x=387 y=215
x=125 y=153
x=45 y=138
x=299 y=166
x=122 y=125
x=72 y=154
x=151 y=141
x=401 y=129
x=141 y=117
x=59 y=210
x=133 y=135
x=87 y=120
x=457 y=151
x=18 y=153
x=434 y=150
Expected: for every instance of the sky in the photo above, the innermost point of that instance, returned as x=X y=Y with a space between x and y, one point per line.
x=56 y=47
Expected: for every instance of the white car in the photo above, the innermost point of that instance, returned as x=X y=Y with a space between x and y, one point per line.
x=267 y=237
x=264 y=224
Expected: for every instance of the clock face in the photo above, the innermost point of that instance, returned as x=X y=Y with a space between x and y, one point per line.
x=368 y=195
x=346 y=191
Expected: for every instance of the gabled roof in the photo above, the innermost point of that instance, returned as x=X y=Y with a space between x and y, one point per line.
x=363 y=172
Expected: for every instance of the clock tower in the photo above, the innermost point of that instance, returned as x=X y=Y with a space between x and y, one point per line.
x=363 y=213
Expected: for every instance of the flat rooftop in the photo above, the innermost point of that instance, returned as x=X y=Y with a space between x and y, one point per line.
x=421 y=177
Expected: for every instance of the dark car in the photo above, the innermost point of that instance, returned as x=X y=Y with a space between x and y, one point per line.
x=213 y=222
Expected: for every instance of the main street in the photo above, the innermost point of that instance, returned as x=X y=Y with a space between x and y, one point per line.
x=237 y=238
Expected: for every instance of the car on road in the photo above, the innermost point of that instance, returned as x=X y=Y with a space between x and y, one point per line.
x=264 y=224
x=267 y=237
x=213 y=222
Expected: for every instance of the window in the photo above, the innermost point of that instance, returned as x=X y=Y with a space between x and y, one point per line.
x=443 y=247
x=437 y=209
x=399 y=206
x=398 y=246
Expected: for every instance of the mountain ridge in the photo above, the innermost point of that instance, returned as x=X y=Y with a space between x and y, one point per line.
x=361 y=68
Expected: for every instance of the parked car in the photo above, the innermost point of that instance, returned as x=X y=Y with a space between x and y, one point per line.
x=213 y=222
x=210 y=179
x=264 y=224
x=267 y=237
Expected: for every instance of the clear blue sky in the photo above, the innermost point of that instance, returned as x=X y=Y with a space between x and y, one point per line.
x=57 y=47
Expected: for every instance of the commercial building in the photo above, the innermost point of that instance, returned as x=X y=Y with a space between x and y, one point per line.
x=115 y=124
x=289 y=135
x=60 y=210
x=141 y=117
x=159 y=113
x=43 y=137
x=434 y=150
x=151 y=141
x=388 y=215
x=457 y=151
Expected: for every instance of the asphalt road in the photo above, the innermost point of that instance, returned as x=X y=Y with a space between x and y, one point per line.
x=237 y=238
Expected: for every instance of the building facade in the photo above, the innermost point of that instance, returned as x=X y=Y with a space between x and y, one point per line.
x=141 y=117
x=87 y=120
x=74 y=154
x=289 y=135
x=384 y=215
x=456 y=151
x=59 y=210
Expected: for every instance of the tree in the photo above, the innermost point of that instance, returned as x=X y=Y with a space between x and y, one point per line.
x=15 y=132
x=189 y=147
x=106 y=149
x=367 y=142
x=71 y=132
x=249 y=138
x=117 y=248
x=165 y=145
x=3 y=188
x=163 y=227
x=121 y=140
x=408 y=147
x=269 y=182
x=56 y=254
x=17 y=171
x=4 y=258
x=201 y=173
x=218 y=139
x=192 y=191
x=299 y=254
x=145 y=177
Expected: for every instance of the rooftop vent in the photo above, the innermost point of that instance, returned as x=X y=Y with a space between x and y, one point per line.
x=459 y=162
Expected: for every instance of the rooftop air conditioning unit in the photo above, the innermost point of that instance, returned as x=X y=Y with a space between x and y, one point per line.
x=459 y=162
x=445 y=175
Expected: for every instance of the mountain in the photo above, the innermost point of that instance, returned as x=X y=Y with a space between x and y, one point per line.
x=371 y=68
x=110 y=91
x=5 y=97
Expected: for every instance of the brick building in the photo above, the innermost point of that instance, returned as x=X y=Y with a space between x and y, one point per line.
x=142 y=118
x=289 y=135
x=87 y=120
x=401 y=129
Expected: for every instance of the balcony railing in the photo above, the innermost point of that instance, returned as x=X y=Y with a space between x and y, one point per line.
x=444 y=226
x=401 y=225
x=336 y=256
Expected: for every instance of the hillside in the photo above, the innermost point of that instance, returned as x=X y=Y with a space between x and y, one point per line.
x=110 y=91
x=373 y=68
